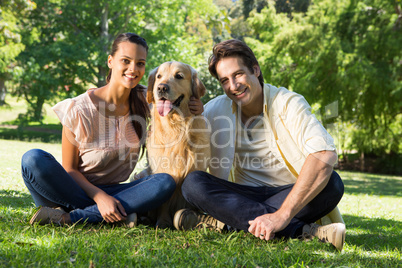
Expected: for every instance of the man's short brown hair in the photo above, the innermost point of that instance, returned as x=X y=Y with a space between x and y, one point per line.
x=234 y=48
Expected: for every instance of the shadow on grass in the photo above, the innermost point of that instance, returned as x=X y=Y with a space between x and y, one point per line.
x=373 y=233
x=363 y=183
x=15 y=199
x=50 y=134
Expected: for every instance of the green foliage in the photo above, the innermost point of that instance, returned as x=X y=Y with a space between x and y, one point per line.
x=291 y=6
x=10 y=38
x=67 y=42
x=347 y=52
x=10 y=42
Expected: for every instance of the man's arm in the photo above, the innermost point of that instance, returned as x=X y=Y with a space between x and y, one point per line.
x=312 y=179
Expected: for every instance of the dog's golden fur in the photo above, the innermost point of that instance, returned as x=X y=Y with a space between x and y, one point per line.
x=178 y=142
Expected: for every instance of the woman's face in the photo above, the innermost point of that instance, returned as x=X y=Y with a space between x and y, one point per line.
x=127 y=64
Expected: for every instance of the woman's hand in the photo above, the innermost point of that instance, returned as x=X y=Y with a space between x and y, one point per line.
x=110 y=208
x=195 y=105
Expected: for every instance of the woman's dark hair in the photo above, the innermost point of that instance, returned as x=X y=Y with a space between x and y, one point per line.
x=138 y=104
x=236 y=48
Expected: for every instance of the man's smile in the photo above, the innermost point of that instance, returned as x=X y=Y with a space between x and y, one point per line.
x=241 y=92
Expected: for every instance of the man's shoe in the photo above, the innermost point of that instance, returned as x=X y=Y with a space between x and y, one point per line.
x=131 y=220
x=187 y=219
x=333 y=233
x=46 y=215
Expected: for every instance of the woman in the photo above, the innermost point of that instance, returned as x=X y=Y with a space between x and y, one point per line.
x=102 y=132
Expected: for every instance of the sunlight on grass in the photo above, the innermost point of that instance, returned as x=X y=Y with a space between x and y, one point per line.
x=16 y=106
x=12 y=109
x=367 y=206
x=371 y=208
x=10 y=157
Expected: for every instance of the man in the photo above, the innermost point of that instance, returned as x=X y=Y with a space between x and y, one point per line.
x=278 y=157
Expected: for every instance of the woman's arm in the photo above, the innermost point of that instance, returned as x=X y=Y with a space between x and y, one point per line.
x=109 y=207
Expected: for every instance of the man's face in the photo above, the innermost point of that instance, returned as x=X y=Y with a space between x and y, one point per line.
x=241 y=85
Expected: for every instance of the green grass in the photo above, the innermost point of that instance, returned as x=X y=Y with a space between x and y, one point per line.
x=371 y=207
x=13 y=125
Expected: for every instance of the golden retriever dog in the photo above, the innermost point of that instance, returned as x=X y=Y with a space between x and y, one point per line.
x=178 y=141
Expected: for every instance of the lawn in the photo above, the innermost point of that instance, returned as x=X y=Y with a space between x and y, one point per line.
x=14 y=125
x=371 y=207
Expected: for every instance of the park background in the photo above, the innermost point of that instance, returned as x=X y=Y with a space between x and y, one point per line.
x=344 y=56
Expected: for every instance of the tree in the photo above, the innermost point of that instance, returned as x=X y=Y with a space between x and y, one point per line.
x=49 y=65
x=67 y=42
x=291 y=6
x=238 y=12
x=10 y=39
x=344 y=51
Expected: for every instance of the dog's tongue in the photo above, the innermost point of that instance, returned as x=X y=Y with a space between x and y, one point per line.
x=164 y=107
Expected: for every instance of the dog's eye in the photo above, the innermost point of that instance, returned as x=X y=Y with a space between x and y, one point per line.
x=179 y=76
x=158 y=76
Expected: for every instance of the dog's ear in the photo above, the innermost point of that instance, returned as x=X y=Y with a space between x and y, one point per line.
x=151 y=82
x=197 y=87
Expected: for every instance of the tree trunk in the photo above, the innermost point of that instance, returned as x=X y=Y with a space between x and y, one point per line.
x=362 y=164
x=102 y=70
x=38 y=110
x=3 y=91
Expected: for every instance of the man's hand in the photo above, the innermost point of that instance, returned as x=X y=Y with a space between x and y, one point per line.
x=265 y=226
x=110 y=208
x=195 y=105
x=312 y=179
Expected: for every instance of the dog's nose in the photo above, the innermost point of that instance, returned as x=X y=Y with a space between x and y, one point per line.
x=163 y=88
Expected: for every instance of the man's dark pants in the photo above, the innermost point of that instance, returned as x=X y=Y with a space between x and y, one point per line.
x=235 y=204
